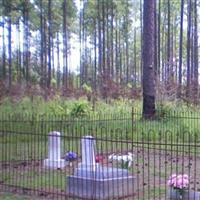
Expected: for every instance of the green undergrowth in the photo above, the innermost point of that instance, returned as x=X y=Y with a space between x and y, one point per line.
x=76 y=108
x=115 y=119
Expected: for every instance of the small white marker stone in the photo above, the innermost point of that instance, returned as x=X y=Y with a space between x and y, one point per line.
x=54 y=151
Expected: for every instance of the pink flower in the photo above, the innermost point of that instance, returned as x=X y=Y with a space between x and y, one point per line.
x=178 y=181
x=173 y=176
x=172 y=180
x=185 y=176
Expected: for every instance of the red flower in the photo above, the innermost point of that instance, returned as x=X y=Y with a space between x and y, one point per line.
x=99 y=158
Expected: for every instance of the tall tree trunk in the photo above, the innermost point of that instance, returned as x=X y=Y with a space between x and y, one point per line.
x=112 y=40
x=9 y=52
x=127 y=41
x=108 y=38
x=188 y=49
x=99 y=42
x=196 y=60
x=120 y=56
x=148 y=59
x=18 y=61
x=192 y=53
x=176 y=52
x=20 y=58
x=116 y=53
x=155 y=41
x=95 y=56
x=158 y=48
x=49 y=44
x=171 y=72
x=180 y=52
x=65 y=46
x=141 y=45
x=86 y=54
x=80 y=45
x=45 y=54
x=163 y=52
x=58 y=61
x=168 y=45
x=42 y=45
x=53 y=59
x=134 y=77
x=26 y=52
x=4 y=49
x=103 y=44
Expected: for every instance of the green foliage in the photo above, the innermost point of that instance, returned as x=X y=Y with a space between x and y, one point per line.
x=87 y=88
x=129 y=86
x=163 y=110
x=80 y=109
x=70 y=107
x=34 y=77
x=173 y=121
x=53 y=82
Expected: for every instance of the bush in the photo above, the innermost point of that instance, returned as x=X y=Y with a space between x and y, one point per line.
x=80 y=109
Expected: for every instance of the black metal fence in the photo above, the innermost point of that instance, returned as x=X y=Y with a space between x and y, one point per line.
x=134 y=158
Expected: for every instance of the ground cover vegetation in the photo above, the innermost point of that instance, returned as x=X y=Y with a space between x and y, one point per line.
x=59 y=113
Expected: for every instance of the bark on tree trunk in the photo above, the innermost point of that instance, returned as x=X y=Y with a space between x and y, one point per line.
x=148 y=60
x=188 y=50
x=180 y=51
x=196 y=60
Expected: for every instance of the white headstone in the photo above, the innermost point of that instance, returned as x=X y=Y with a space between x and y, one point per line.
x=54 y=151
x=88 y=152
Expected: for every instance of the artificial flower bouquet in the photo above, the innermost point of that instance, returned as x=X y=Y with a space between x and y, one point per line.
x=125 y=161
x=179 y=183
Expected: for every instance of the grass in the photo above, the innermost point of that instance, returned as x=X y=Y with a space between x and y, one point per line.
x=154 y=193
x=8 y=196
x=69 y=107
x=118 y=119
x=34 y=178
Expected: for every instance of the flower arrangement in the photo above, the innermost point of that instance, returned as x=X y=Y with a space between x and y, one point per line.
x=70 y=156
x=179 y=182
x=99 y=158
x=124 y=160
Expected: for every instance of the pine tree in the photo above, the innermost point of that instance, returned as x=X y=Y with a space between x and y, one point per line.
x=148 y=59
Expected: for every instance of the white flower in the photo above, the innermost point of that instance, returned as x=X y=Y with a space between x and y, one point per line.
x=110 y=157
x=122 y=158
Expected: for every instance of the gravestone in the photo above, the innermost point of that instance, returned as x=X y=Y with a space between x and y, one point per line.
x=54 y=151
x=94 y=181
x=88 y=153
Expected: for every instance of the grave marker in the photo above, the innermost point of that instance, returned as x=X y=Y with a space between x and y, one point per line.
x=54 y=151
x=93 y=181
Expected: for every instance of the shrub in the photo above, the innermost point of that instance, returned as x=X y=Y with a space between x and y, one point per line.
x=80 y=109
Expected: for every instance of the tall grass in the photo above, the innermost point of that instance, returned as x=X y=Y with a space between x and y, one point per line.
x=70 y=107
x=119 y=119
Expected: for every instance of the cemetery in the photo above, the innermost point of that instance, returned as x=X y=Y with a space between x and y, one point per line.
x=99 y=100
x=73 y=163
